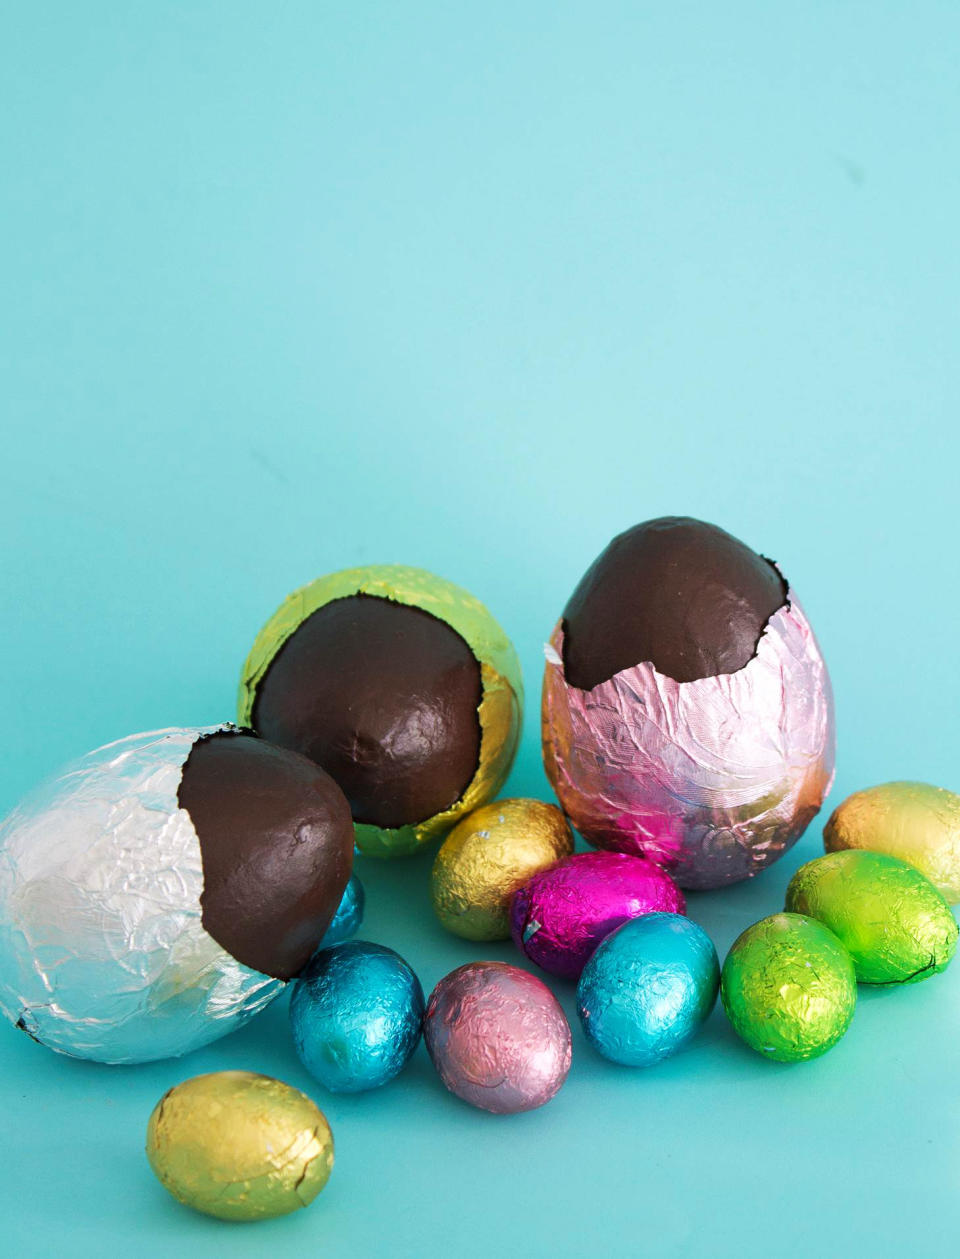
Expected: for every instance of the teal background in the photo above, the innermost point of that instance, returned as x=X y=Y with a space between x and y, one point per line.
x=298 y=286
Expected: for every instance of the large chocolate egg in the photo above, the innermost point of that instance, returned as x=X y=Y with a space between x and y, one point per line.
x=402 y=686
x=240 y=1146
x=561 y=914
x=687 y=711
x=914 y=821
x=160 y=890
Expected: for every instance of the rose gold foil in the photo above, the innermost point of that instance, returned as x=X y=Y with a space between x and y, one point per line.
x=713 y=779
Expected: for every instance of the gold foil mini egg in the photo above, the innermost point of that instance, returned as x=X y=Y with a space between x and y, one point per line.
x=239 y=1146
x=488 y=856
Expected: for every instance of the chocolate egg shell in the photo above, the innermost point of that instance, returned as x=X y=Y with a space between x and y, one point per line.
x=647 y=989
x=133 y=927
x=714 y=770
x=560 y=916
x=356 y=1014
x=788 y=987
x=487 y=857
x=892 y=921
x=497 y=1037
x=914 y=821
x=402 y=685
x=239 y=1146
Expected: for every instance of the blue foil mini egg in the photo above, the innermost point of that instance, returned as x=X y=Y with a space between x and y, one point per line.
x=356 y=1013
x=346 y=921
x=647 y=988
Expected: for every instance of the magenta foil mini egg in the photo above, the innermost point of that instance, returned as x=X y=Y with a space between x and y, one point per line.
x=497 y=1037
x=559 y=917
x=714 y=778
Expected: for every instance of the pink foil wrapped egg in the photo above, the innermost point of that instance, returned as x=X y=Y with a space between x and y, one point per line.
x=687 y=711
x=560 y=916
x=498 y=1037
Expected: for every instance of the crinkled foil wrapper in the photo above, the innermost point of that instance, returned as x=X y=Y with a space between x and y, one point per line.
x=891 y=919
x=346 y=921
x=102 y=951
x=501 y=705
x=240 y=1146
x=712 y=779
x=498 y=1037
x=788 y=988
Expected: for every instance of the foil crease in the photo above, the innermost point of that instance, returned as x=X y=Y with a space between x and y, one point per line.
x=497 y=1037
x=560 y=916
x=102 y=951
x=713 y=779
x=501 y=704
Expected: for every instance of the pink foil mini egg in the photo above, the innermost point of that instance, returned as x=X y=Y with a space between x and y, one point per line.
x=497 y=1037
x=560 y=916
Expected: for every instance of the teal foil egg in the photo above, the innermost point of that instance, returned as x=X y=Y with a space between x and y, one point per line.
x=356 y=1014
x=893 y=922
x=346 y=921
x=647 y=989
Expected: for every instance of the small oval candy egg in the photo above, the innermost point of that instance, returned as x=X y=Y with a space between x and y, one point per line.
x=892 y=921
x=913 y=821
x=487 y=857
x=497 y=1037
x=356 y=1014
x=239 y=1146
x=560 y=916
x=346 y=921
x=647 y=988
x=789 y=988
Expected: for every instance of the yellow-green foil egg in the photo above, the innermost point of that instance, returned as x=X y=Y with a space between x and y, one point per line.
x=916 y=822
x=239 y=1146
x=788 y=987
x=489 y=856
x=889 y=917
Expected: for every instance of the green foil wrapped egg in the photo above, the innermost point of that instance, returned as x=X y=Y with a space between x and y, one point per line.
x=914 y=821
x=239 y=1146
x=889 y=917
x=402 y=686
x=788 y=987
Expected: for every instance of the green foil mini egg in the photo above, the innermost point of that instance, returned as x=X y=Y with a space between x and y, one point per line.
x=239 y=1146
x=892 y=921
x=789 y=988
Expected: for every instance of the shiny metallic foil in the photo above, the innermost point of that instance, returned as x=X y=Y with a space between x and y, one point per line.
x=346 y=921
x=648 y=988
x=240 y=1146
x=497 y=1037
x=356 y=1014
x=788 y=987
x=102 y=951
x=914 y=821
x=713 y=779
x=501 y=704
x=893 y=922
x=487 y=857
x=560 y=916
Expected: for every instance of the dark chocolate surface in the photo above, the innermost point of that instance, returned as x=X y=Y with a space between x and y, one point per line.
x=680 y=594
x=276 y=840
x=385 y=698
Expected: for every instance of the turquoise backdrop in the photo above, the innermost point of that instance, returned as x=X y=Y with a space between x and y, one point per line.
x=289 y=287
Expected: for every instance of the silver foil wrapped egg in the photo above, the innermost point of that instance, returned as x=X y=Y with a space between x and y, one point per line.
x=126 y=935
